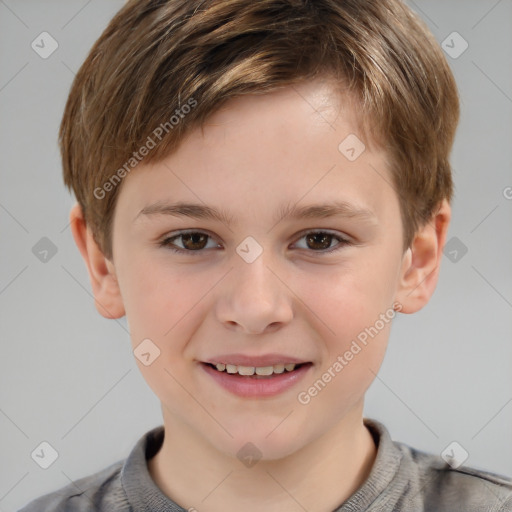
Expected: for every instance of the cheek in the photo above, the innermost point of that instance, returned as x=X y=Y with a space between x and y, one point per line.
x=353 y=315
x=159 y=299
x=163 y=304
x=352 y=355
x=347 y=300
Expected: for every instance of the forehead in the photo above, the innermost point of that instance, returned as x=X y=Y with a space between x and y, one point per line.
x=295 y=112
x=264 y=152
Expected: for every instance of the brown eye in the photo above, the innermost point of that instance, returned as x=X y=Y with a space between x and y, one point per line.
x=319 y=241
x=322 y=242
x=194 y=241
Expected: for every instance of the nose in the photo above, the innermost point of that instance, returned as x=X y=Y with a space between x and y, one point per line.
x=254 y=299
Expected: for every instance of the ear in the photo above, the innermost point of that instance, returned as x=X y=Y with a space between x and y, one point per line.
x=105 y=288
x=421 y=262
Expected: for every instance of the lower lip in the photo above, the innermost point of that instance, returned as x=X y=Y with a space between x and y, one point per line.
x=257 y=386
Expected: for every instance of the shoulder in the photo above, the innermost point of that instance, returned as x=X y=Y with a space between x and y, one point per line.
x=444 y=487
x=404 y=478
x=122 y=486
x=99 y=491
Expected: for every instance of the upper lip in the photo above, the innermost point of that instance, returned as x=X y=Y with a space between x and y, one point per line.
x=263 y=360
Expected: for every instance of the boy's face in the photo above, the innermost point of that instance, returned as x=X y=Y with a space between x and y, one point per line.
x=255 y=158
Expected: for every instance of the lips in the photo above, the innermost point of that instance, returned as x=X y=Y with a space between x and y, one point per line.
x=256 y=381
x=264 y=365
x=255 y=370
x=255 y=361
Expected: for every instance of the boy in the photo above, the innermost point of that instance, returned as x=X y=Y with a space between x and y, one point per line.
x=214 y=148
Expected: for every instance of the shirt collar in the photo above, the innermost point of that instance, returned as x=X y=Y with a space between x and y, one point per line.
x=145 y=496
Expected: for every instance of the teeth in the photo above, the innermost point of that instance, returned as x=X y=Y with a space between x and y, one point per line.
x=246 y=370
x=258 y=370
x=265 y=370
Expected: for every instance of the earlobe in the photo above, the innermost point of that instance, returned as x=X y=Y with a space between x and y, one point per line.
x=421 y=262
x=105 y=287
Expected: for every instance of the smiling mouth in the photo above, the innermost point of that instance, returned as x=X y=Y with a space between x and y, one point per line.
x=256 y=371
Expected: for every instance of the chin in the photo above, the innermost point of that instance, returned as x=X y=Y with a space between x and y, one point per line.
x=266 y=444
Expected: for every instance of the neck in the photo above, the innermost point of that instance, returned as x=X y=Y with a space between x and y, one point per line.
x=319 y=477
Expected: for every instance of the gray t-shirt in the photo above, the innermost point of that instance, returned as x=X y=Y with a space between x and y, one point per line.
x=402 y=479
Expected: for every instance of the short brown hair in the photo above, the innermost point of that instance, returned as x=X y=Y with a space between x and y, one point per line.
x=158 y=56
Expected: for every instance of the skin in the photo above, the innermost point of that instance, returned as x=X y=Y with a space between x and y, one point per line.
x=255 y=156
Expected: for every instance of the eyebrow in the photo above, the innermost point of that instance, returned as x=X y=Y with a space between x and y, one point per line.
x=315 y=211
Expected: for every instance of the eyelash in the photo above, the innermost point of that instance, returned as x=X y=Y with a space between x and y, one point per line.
x=167 y=242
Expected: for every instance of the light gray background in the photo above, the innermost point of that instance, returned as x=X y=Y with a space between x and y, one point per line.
x=68 y=375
